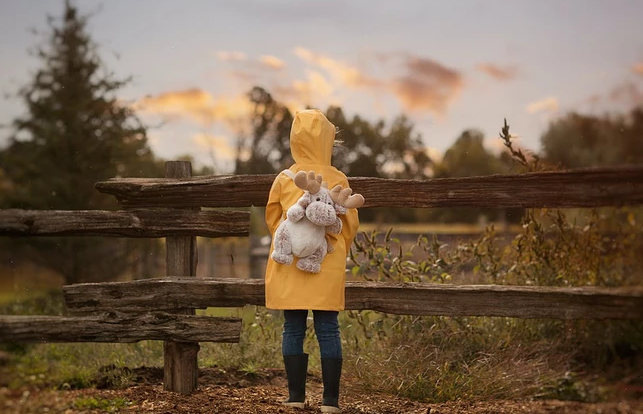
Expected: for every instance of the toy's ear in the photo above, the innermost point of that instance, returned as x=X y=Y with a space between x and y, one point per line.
x=343 y=197
x=308 y=181
x=301 y=180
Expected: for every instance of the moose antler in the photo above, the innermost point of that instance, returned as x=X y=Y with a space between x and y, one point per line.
x=344 y=198
x=308 y=181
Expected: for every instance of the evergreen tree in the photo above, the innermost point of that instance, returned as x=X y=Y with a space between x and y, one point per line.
x=75 y=132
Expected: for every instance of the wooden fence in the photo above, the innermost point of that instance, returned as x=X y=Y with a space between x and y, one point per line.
x=163 y=308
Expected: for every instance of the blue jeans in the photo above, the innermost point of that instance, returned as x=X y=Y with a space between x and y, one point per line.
x=326 y=330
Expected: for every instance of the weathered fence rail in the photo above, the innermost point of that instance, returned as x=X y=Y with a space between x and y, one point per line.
x=558 y=189
x=132 y=223
x=118 y=326
x=395 y=298
x=163 y=309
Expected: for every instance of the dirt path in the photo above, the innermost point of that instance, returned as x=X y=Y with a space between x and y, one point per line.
x=234 y=392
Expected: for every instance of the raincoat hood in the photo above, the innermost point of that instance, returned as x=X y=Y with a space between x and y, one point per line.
x=311 y=138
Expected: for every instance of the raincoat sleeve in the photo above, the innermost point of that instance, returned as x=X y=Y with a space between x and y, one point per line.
x=274 y=211
x=350 y=223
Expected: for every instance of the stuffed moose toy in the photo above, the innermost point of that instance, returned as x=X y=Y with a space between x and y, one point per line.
x=303 y=232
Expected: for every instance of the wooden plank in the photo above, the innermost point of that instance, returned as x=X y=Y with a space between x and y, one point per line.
x=180 y=358
x=558 y=189
x=119 y=327
x=395 y=298
x=131 y=223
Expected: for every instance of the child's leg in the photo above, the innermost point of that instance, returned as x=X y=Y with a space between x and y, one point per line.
x=327 y=332
x=295 y=361
x=292 y=342
x=330 y=347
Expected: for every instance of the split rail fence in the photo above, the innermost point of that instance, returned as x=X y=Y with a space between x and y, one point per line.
x=170 y=207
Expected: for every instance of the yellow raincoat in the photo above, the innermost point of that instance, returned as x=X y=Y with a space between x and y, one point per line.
x=311 y=145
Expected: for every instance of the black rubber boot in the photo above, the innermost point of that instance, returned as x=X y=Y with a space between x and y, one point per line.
x=296 y=368
x=331 y=374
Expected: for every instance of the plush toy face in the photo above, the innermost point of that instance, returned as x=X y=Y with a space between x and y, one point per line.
x=321 y=210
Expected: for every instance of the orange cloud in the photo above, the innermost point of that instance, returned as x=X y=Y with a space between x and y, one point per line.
x=427 y=85
x=544 y=105
x=316 y=87
x=315 y=90
x=346 y=74
x=638 y=68
x=196 y=105
x=231 y=56
x=497 y=72
x=627 y=92
x=272 y=62
x=264 y=61
x=219 y=145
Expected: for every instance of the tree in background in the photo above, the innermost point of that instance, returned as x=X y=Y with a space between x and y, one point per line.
x=373 y=150
x=468 y=157
x=267 y=149
x=576 y=141
x=377 y=150
x=75 y=133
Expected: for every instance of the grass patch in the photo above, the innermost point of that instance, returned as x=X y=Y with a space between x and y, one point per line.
x=111 y=405
x=81 y=365
x=259 y=345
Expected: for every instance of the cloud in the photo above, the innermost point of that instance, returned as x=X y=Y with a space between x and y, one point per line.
x=219 y=145
x=240 y=58
x=638 y=68
x=245 y=76
x=427 y=85
x=626 y=92
x=549 y=104
x=231 y=56
x=316 y=87
x=498 y=72
x=342 y=72
x=196 y=105
x=272 y=62
x=419 y=84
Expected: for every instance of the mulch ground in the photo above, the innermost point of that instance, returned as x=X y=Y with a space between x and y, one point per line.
x=237 y=392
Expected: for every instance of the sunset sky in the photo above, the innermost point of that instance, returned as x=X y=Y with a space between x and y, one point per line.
x=449 y=65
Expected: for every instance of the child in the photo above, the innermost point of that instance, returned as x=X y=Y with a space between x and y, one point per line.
x=294 y=291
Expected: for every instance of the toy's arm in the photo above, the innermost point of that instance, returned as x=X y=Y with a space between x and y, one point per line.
x=335 y=228
x=297 y=211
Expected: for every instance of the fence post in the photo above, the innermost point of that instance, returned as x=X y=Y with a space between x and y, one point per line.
x=180 y=358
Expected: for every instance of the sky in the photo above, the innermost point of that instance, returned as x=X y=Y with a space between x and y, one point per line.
x=447 y=65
